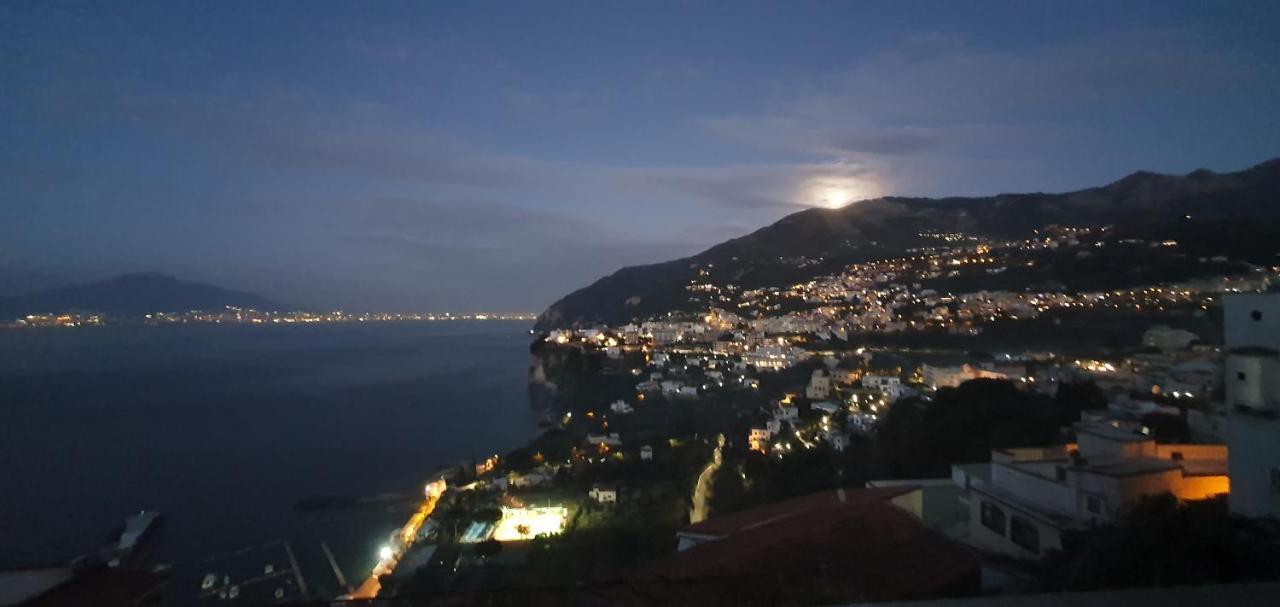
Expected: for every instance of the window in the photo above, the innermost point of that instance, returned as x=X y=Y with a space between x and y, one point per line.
x=1093 y=504
x=1176 y=456
x=1024 y=533
x=1256 y=315
x=1275 y=481
x=1240 y=375
x=1061 y=473
x=992 y=517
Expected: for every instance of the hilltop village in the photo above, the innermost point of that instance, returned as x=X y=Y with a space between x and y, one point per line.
x=683 y=453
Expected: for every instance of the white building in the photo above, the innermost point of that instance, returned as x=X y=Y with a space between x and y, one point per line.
x=611 y=439
x=604 y=493
x=1021 y=503
x=1251 y=326
x=825 y=406
x=882 y=383
x=819 y=385
x=620 y=406
x=1168 y=338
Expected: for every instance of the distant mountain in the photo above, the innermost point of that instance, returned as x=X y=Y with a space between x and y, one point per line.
x=132 y=295
x=818 y=241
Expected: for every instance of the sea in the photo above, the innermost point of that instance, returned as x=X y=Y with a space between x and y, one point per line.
x=224 y=428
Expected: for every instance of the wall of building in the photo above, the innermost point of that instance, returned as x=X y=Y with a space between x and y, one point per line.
x=1252 y=380
x=1240 y=327
x=1050 y=537
x=1202 y=487
x=1034 y=489
x=1255 y=457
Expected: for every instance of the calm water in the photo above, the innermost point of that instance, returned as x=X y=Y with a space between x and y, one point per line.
x=223 y=428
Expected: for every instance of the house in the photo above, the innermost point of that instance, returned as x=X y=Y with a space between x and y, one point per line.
x=758 y=439
x=825 y=406
x=786 y=413
x=1025 y=499
x=863 y=541
x=1251 y=328
x=819 y=385
x=880 y=382
x=621 y=407
x=646 y=453
x=604 y=493
x=837 y=440
x=1167 y=338
x=950 y=377
x=528 y=479
x=609 y=440
x=687 y=392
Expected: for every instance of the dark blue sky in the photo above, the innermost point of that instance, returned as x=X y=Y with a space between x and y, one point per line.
x=495 y=155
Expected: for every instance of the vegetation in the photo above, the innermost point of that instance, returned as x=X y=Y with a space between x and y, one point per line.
x=1161 y=542
x=920 y=439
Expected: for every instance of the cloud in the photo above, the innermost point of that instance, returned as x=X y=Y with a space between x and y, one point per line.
x=936 y=109
x=761 y=187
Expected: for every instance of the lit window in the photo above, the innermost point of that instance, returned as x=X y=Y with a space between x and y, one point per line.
x=1024 y=533
x=993 y=517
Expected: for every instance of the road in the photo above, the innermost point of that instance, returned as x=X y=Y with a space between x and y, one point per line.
x=702 y=490
x=371 y=586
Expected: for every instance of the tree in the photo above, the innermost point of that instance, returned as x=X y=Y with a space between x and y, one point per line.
x=1077 y=396
x=920 y=438
x=1163 y=542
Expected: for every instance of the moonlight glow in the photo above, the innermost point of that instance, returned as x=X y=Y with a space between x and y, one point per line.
x=834 y=192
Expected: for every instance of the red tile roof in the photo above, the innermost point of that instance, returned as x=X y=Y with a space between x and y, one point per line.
x=817 y=548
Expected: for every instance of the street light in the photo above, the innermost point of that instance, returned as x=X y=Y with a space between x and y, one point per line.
x=385 y=553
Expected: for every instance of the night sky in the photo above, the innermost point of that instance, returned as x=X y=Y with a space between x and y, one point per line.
x=496 y=155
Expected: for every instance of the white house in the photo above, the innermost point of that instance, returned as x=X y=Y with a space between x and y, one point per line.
x=1251 y=327
x=620 y=406
x=1021 y=502
x=786 y=413
x=880 y=382
x=825 y=406
x=819 y=385
x=1167 y=338
x=528 y=479
x=611 y=439
x=604 y=493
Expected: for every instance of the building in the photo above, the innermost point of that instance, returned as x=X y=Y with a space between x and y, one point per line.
x=646 y=453
x=950 y=377
x=826 y=407
x=819 y=387
x=1022 y=502
x=621 y=407
x=868 y=542
x=611 y=440
x=1251 y=327
x=604 y=493
x=1168 y=338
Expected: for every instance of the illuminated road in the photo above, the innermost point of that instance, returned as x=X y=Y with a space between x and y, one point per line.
x=702 y=489
x=387 y=562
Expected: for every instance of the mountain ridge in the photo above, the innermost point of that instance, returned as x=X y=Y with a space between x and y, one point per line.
x=133 y=294
x=888 y=225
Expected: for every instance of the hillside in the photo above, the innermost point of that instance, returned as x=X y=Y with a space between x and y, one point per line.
x=1225 y=209
x=133 y=295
